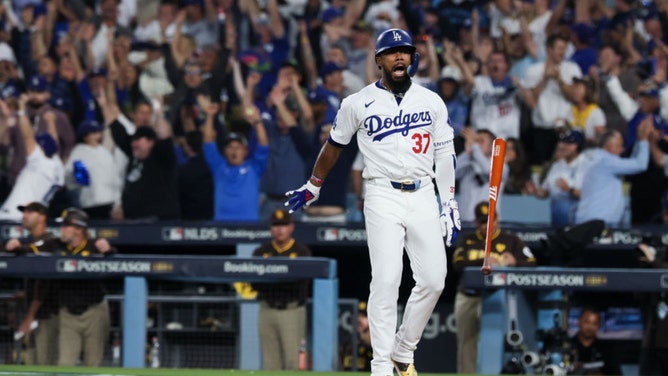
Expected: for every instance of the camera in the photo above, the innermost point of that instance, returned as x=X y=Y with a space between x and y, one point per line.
x=553 y=369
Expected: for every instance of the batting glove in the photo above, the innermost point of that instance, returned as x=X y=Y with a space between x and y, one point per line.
x=450 y=225
x=304 y=196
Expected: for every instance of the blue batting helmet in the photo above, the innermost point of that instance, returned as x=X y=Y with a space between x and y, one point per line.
x=391 y=38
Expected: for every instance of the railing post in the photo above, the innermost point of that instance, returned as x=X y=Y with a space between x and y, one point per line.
x=324 y=344
x=134 y=322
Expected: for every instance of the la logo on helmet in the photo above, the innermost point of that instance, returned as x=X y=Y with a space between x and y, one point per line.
x=396 y=35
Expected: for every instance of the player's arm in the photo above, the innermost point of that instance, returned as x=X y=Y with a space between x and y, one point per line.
x=327 y=158
x=445 y=162
x=39 y=292
x=309 y=192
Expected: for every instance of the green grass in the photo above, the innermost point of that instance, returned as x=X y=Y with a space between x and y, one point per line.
x=74 y=371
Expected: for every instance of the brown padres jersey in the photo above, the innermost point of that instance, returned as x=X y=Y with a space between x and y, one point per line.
x=471 y=250
x=278 y=294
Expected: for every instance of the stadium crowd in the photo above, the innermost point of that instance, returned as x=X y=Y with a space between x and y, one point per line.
x=213 y=109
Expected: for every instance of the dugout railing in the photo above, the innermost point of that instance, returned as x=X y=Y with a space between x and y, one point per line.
x=135 y=271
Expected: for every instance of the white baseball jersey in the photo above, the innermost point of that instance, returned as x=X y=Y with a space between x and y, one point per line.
x=399 y=141
x=495 y=108
x=39 y=179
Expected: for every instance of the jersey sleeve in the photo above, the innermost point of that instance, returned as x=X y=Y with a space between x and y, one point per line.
x=345 y=123
x=443 y=132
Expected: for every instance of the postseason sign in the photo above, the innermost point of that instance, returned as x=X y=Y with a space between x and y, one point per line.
x=584 y=279
x=216 y=268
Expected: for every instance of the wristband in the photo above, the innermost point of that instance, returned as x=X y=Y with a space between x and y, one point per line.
x=20 y=113
x=316 y=180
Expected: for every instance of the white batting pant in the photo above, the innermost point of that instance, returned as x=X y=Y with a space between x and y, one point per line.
x=394 y=220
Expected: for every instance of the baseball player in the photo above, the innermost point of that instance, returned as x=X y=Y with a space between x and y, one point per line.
x=403 y=131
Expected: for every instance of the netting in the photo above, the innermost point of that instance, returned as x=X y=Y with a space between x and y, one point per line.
x=188 y=325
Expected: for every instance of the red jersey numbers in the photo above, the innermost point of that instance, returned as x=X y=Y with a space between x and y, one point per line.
x=422 y=142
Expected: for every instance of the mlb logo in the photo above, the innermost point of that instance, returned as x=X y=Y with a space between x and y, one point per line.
x=495 y=279
x=172 y=233
x=10 y=232
x=67 y=265
x=329 y=234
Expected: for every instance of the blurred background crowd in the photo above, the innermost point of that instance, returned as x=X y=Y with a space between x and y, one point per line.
x=213 y=109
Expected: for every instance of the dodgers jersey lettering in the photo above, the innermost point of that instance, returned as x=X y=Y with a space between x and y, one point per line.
x=398 y=140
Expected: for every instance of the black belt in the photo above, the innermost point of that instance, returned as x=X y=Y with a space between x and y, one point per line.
x=406 y=185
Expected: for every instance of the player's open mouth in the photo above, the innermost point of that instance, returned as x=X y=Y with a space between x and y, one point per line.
x=399 y=70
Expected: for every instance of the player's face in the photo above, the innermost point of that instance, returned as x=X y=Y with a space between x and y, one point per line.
x=394 y=63
x=589 y=324
x=68 y=233
x=482 y=225
x=30 y=219
x=281 y=234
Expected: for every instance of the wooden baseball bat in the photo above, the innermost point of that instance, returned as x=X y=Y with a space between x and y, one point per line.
x=498 y=156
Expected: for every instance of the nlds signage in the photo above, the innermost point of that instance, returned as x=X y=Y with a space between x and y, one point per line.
x=190 y=233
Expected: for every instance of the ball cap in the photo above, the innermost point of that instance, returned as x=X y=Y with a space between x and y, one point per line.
x=280 y=217
x=234 y=136
x=89 y=126
x=329 y=68
x=38 y=84
x=33 y=207
x=571 y=136
x=145 y=131
x=73 y=217
x=482 y=211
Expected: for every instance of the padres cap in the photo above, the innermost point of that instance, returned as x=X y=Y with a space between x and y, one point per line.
x=482 y=211
x=73 y=217
x=280 y=217
x=33 y=207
